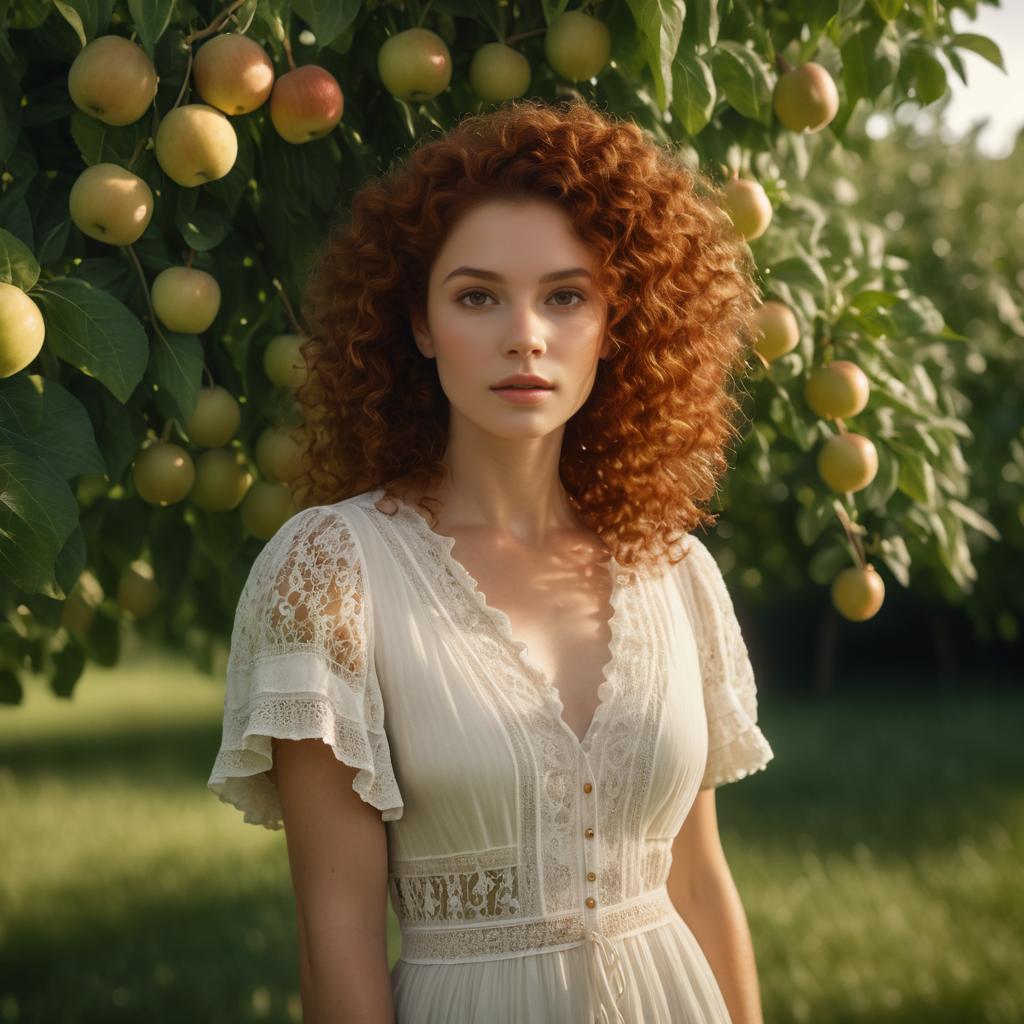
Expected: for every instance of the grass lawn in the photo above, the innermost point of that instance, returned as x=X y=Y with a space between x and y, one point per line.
x=879 y=858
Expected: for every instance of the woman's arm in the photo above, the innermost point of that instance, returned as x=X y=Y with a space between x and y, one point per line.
x=702 y=889
x=337 y=851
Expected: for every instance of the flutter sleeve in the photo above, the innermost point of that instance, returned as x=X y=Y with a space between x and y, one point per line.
x=736 y=745
x=301 y=666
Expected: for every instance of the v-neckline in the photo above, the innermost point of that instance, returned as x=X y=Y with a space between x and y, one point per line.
x=620 y=580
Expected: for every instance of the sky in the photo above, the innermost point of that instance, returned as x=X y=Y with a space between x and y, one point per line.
x=989 y=92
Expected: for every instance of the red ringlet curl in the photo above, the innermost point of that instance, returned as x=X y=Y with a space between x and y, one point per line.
x=647 y=449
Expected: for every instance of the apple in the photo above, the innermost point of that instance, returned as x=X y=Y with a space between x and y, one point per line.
x=414 y=65
x=215 y=419
x=776 y=330
x=283 y=362
x=306 y=104
x=857 y=593
x=839 y=389
x=577 y=46
x=233 y=73
x=196 y=143
x=279 y=454
x=79 y=609
x=748 y=207
x=22 y=330
x=185 y=299
x=163 y=473
x=805 y=99
x=137 y=591
x=848 y=462
x=498 y=72
x=266 y=508
x=222 y=479
x=110 y=204
x=112 y=79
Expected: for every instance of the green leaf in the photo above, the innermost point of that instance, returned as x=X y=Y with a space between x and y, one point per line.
x=916 y=475
x=661 y=24
x=327 y=19
x=95 y=333
x=887 y=9
x=73 y=18
x=869 y=64
x=743 y=77
x=103 y=143
x=150 y=18
x=38 y=512
x=40 y=418
x=177 y=368
x=812 y=519
x=922 y=71
x=17 y=264
x=974 y=519
x=693 y=91
x=701 y=25
x=981 y=45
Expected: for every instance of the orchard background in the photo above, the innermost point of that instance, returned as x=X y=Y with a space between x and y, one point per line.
x=151 y=277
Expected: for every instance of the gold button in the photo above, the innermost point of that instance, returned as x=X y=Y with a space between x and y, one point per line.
x=587 y=787
x=591 y=902
x=589 y=833
x=591 y=876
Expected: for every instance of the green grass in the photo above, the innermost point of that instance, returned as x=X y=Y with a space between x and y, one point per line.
x=879 y=859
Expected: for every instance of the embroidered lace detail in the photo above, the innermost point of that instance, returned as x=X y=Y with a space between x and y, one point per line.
x=300 y=667
x=736 y=745
x=469 y=943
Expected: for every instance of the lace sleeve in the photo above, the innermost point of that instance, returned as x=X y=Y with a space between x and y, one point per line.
x=736 y=745
x=301 y=666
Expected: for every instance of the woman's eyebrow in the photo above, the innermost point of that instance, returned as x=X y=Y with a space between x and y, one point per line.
x=490 y=275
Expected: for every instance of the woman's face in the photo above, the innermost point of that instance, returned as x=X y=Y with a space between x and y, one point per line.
x=495 y=308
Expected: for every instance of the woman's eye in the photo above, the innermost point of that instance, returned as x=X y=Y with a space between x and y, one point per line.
x=564 y=291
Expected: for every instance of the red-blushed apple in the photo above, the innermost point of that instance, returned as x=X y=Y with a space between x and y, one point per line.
x=222 y=478
x=748 y=206
x=776 y=330
x=283 y=362
x=266 y=507
x=837 y=390
x=113 y=80
x=163 y=473
x=577 y=46
x=196 y=144
x=498 y=73
x=186 y=299
x=414 y=65
x=110 y=204
x=306 y=104
x=215 y=419
x=805 y=99
x=233 y=73
x=848 y=462
x=22 y=330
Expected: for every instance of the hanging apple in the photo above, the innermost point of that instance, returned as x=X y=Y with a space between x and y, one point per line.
x=113 y=80
x=306 y=104
x=22 y=330
x=196 y=144
x=233 y=73
x=110 y=204
x=414 y=65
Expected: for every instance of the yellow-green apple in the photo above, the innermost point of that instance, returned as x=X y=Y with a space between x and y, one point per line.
x=110 y=204
x=186 y=299
x=306 y=104
x=215 y=419
x=414 y=65
x=138 y=593
x=857 y=593
x=163 y=473
x=266 y=507
x=283 y=362
x=748 y=207
x=848 y=462
x=279 y=454
x=195 y=144
x=22 y=330
x=222 y=478
x=776 y=330
x=577 y=46
x=233 y=73
x=805 y=99
x=113 y=80
x=838 y=389
x=498 y=72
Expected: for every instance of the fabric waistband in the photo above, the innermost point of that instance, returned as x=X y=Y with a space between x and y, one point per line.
x=468 y=943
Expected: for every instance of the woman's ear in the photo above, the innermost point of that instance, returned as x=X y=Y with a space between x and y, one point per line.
x=420 y=333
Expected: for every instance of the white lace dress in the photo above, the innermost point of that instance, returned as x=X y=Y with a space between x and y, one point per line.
x=527 y=869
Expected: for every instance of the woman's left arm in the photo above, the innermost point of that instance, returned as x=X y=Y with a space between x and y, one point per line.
x=702 y=889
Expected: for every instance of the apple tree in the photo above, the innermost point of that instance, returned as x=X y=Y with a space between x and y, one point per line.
x=169 y=167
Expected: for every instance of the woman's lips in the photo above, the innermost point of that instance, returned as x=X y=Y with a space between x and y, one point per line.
x=522 y=396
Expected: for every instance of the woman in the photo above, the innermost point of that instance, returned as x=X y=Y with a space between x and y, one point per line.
x=511 y=716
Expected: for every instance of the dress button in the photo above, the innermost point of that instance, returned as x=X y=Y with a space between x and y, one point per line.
x=591 y=876
x=591 y=902
x=587 y=787
x=589 y=833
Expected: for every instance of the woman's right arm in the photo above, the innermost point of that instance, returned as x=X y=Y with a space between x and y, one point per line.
x=337 y=852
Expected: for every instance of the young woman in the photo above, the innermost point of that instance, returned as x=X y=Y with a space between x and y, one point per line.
x=510 y=716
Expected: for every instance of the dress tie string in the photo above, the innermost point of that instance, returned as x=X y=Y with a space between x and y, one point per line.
x=609 y=991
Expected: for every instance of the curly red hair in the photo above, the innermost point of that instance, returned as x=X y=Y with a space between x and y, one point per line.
x=649 y=446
